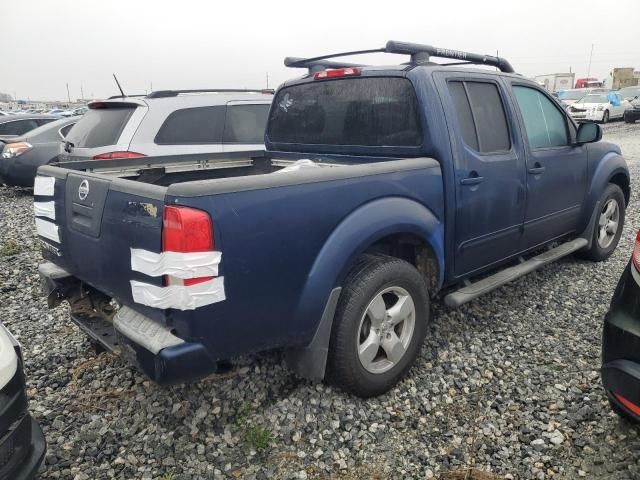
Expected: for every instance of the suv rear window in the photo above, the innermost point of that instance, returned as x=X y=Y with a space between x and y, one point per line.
x=100 y=127
x=378 y=111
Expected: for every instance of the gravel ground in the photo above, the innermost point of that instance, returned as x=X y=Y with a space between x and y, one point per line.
x=508 y=383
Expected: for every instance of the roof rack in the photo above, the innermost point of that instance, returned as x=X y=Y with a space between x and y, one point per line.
x=419 y=55
x=175 y=93
x=125 y=96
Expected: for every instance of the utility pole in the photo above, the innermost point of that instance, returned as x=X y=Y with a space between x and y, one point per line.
x=267 y=73
x=68 y=96
x=81 y=92
x=590 y=57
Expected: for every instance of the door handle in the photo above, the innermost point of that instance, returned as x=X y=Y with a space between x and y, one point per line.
x=537 y=169
x=472 y=179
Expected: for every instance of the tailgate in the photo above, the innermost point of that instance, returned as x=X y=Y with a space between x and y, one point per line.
x=88 y=224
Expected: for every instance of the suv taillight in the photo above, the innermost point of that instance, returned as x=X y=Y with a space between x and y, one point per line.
x=186 y=230
x=115 y=155
x=635 y=257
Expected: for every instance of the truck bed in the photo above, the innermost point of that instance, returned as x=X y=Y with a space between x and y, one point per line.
x=167 y=170
x=271 y=229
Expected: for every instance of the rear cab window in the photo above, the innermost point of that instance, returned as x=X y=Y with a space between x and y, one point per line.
x=100 y=127
x=363 y=111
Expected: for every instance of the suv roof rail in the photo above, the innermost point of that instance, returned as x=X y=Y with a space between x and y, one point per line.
x=175 y=93
x=419 y=55
x=125 y=96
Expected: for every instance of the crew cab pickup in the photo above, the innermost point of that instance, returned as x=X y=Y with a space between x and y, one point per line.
x=382 y=189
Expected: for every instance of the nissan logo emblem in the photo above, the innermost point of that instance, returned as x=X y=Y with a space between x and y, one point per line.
x=83 y=189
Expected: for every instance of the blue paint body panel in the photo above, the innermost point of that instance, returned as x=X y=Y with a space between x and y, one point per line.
x=285 y=247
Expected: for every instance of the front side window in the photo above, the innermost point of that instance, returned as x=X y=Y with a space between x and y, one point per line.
x=544 y=123
x=481 y=117
x=373 y=111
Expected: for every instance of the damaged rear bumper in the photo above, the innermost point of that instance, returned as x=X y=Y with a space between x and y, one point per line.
x=149 y=345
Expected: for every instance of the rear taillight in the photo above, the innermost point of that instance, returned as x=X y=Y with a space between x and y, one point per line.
x=116 y=155
x=186 y=230
x=635 y=257
x=337 y=72
x=629 y=405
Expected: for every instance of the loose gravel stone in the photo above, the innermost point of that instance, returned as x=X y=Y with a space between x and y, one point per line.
x=508 y=383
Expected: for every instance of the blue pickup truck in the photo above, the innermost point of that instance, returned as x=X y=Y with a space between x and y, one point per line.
x=381 y=190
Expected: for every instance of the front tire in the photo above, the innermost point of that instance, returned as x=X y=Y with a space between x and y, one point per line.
x=609 y=224
x=379 y=327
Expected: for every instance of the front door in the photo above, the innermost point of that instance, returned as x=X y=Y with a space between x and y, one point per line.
x=489 y=172
x=556 y=168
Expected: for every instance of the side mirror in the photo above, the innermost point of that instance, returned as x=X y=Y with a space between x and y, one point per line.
x=588 y=133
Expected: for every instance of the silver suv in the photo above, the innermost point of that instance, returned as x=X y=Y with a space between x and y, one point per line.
x=170 y=122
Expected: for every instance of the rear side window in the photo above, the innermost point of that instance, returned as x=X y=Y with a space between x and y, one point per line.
x=100 y=127
x=64 y=131
x=245 y=123
x=18 y=127
x=200 y=125
x=481 y=116
x=545 y=124
x=363 y=111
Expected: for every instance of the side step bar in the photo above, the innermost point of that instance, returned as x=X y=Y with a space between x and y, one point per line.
x=474 y=290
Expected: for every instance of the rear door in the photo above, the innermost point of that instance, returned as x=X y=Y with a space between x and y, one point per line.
x=489 y=170
x=556 y=169
x=107 y=127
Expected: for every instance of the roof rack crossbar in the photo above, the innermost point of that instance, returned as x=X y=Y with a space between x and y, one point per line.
x=419 y=55
x=175 y=93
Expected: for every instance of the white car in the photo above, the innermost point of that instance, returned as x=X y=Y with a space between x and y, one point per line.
x=597 y=107
x=22 y=442
x=572 y=95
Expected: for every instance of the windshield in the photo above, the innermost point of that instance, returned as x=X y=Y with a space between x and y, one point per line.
x=629 y=92
x=378 y=111
x=571 y=95
x=594 y=99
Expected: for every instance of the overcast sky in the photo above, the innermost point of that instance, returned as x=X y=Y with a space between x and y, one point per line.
x=46 y=44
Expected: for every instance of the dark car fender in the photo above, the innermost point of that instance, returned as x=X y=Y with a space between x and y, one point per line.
x=354 y=234
x=607 y=166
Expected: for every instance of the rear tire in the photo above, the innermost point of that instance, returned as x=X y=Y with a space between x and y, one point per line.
x=380 y=324
x=605 y=116
x=606 y=235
